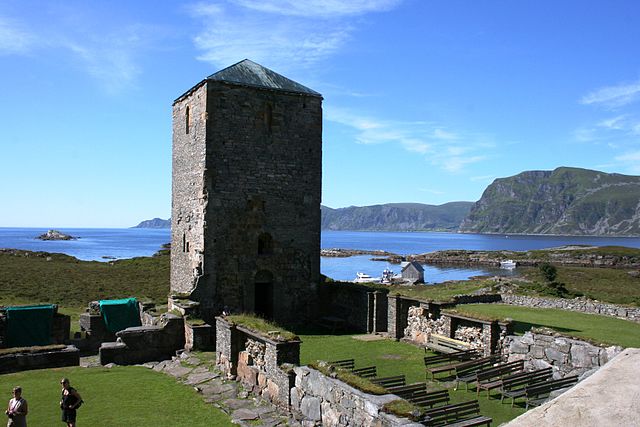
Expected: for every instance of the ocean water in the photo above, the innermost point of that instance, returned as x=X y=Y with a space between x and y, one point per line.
x=93 y=244
x=102 y=244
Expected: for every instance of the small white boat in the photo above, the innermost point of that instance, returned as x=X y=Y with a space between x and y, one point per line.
x=387 y=276
x=508 y=264
x=365 y=278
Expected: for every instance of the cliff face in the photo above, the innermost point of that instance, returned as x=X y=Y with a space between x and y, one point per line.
x=396 y=217
x=562 y=201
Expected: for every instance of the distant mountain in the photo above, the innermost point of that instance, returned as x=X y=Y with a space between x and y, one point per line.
x=396 y=217
x=562 y=201
x=155 y=223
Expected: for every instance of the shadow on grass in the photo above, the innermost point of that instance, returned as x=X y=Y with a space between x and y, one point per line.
x=520 y=327
x=315 y=329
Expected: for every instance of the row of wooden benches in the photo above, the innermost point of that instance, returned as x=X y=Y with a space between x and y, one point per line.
x=487 y=374
x=465 y=414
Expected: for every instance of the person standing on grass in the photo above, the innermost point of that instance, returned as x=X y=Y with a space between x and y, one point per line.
x=69 y=402
x=17 y=409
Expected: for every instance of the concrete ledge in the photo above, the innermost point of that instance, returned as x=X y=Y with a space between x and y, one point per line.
x=609 y=397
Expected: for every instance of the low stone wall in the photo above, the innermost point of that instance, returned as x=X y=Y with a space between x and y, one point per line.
x=262 y=365
x=320 y=400
x=147 y=343
x=16 y=362
x=542 y=348
x=576 y=304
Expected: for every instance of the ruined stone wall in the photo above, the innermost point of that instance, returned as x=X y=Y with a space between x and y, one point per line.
x=577 y=304
x=360 y=308
x=319 y=400
x=262 y=365
x=420 y=325
x=189 y=198
x=544 y=348
x=486 y=336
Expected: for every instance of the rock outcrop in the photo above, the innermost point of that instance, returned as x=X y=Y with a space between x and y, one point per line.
x=55 y=235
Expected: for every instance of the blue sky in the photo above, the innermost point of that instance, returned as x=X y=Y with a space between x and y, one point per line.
x=425 y=101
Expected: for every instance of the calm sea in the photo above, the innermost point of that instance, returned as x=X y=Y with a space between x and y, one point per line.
x=102 y=244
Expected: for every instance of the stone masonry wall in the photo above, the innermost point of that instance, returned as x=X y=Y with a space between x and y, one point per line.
x=544 y=348
x=577 y=304
x=189 y=197
x=420 y=325
x=488 y=337
x=246 y=201
x=320 y=400
x=362 y=310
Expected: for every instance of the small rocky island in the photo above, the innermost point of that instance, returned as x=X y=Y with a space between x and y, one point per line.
x=55 y=235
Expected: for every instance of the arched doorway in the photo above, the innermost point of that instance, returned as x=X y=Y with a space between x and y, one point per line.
x=263 y=294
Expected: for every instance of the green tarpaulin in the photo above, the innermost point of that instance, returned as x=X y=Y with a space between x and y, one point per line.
x=119 y=314
x=29 y=325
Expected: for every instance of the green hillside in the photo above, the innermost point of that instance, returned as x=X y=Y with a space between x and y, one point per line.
x=562 y=201
x=396 y=217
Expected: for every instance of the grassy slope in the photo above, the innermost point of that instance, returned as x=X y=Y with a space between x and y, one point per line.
x=603 y=284
x=600 y=329
x=121 y=396
x=30 y=278
x=393 y=358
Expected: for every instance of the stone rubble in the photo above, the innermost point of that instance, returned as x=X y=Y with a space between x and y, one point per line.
x=420 y=325
x=470 y=334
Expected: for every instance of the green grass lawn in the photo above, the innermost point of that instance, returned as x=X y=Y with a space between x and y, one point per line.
x=121 y=396
x=393 y=358
x=600 y=329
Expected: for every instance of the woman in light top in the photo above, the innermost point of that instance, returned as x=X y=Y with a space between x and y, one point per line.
x=17 y=409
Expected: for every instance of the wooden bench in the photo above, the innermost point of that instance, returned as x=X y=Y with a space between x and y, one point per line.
x=443 y=344
x=448 y=357
x=405 y=391
x=426 y=399
x=490 y=372
x=368 y=372
x=512 y=380
x=515 y=385
x=386 y=382
x=453 y=366
x=464 y=414
x=539 y=393
x=469 y=369
x=349 y=364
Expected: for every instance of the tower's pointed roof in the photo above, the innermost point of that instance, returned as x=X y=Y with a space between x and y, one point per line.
x=248 y=73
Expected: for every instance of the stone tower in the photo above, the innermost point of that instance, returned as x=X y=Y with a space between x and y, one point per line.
x=247 y=173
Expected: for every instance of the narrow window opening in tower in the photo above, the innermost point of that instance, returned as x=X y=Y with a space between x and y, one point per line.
x=187 y=246
x=184 y=242
x=265 y=244
x=268 y=118
x=187 y=119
